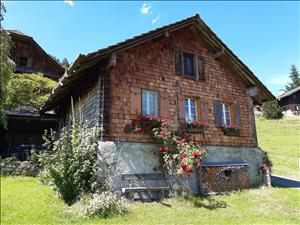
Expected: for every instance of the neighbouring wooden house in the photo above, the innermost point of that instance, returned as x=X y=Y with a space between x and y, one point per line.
x=181 y=71
x=25 y=125
x=290 y=102
x=29 y=57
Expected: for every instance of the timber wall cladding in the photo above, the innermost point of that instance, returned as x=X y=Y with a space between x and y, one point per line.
x=26 y=48
x=151 y=66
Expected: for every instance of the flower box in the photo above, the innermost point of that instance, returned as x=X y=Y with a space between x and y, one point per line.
x=231 y=130
x=194 y=127
x=196 y=130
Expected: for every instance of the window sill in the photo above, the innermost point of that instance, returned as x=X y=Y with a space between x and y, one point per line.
x=190 y=77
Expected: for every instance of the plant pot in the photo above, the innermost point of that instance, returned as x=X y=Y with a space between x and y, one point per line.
x=231 y=131
x=195 y=130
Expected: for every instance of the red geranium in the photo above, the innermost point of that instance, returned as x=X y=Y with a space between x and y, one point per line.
x=183 y=165
x=183 y=155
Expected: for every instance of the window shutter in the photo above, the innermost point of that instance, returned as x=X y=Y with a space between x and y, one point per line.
x=135 y=101
x=164 y=106
x=29 y=62
x=181 y=112
x=178 y=62
x=201 y=73
x=218 y=113
x=237 y=115
x=203 y=110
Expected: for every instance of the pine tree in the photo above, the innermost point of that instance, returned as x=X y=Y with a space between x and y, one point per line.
x=6 y=65
x=295 y=77
x=65 y=63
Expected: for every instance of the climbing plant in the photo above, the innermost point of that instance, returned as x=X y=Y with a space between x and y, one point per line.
x=179 y=154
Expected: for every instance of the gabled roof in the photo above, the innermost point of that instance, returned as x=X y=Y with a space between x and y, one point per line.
x=84 y=61
x=20 y=34
x=17 y=32
x=288 y=93
x=28 y=112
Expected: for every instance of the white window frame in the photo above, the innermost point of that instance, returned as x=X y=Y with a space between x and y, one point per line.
x=224 y=121
x=147 y=102
x=188 y=118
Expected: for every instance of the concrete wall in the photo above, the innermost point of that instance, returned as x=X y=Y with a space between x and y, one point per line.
x=130 y=157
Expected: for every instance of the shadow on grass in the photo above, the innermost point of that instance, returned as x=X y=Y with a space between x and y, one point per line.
x=207 y=202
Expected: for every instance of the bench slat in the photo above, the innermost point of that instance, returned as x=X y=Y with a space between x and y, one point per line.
x=143 y=176
x=142 y=189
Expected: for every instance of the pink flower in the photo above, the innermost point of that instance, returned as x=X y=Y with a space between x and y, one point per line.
x=138 y=130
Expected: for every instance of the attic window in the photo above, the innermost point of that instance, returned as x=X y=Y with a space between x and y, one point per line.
x=22 y=61
x=188 y=64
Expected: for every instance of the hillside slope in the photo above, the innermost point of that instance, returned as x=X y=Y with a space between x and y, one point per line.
x=281 y=139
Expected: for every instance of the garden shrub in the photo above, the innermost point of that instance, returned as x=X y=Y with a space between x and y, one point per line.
x=71 y=161
x=105 y=204
x=271 y=110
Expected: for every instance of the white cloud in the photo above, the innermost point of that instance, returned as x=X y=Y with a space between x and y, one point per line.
x=156 y=19
x=69 y=2
x=145 y=8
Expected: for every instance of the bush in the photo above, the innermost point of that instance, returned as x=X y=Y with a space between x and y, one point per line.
x=71 y=161
x=271 y=110
x=11 y=159
x=28 y=90
x=105 y=204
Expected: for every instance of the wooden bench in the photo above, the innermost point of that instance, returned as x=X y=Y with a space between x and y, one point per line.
x=155 y=178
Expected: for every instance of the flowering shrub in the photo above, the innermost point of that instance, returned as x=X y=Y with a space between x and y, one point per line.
x=70 y=161
x=178 y=153
x=105 y=204
x=194 y=127
x=231 y=130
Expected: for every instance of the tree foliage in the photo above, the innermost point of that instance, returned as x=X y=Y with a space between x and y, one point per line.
x=64 y=63
x=6 y=70
x=28 y=90
x=295 y=78
x=271 y=110
x=2 y=11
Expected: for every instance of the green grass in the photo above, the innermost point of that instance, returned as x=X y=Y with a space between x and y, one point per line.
x=25 y=201
x=281 y=139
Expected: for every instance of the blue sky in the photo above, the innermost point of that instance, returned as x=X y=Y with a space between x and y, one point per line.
x=265 y=35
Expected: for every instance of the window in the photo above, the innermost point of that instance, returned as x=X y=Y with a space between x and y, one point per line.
x=225 y=115
x=185 y=63
x=190 y=110
x=189 y=64
x=149 y=103
x=22 y=61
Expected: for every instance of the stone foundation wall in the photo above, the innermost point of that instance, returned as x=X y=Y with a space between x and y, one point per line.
x=132 y=157
x=17 y=168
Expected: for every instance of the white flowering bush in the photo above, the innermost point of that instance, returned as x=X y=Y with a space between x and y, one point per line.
x=105 y=204
x=71 y=161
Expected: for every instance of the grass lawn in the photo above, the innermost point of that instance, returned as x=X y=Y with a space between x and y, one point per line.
x=25 y=201
x=281 y=139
